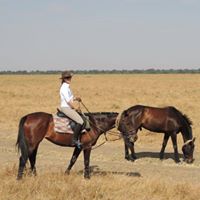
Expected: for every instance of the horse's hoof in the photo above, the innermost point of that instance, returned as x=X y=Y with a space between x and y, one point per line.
x=67 y=172
x=19 y=178
x=87 y=176
x=134 y=156
x=177 y=160
x=127 y=157
x=132 y=159
x=161 y=157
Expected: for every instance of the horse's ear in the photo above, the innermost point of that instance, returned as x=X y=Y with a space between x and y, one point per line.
x=193 y=140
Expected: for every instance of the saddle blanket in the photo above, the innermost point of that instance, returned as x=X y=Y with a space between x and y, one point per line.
x=62 y=125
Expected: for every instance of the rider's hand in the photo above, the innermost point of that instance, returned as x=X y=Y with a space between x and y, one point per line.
x=78 y=109
x=78 y=99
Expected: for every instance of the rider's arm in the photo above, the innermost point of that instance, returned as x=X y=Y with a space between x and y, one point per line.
x=70 y=103
x=77 y=99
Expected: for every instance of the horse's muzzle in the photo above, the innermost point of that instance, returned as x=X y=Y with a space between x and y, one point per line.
x=189 y=160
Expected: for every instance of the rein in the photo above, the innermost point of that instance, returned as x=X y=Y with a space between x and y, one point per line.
x=85 y=107
x=106 y=140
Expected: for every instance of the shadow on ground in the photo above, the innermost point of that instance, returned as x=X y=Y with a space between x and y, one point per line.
x=95 y=170
x=147 y=154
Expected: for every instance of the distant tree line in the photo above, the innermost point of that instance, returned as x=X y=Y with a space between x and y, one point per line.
x=134 y=71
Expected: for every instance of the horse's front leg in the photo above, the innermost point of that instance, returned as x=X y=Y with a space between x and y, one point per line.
x=74 y=157
x=126 y=151
x=87 y=152
x=164 y=144
x=174 y=141
x=133 y=156
x=129 y=145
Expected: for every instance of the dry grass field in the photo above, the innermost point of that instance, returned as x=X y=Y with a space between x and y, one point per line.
x=113 y=177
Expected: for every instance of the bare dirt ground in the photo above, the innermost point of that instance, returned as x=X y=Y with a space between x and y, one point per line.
x=106 y=159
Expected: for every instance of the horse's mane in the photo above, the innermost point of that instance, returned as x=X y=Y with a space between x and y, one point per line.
x=100 y=113
x=100 y=116
x=186 y=118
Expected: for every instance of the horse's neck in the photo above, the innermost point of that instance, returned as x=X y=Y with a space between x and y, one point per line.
x=187 y=133
x=97 y=130
x=103 y=126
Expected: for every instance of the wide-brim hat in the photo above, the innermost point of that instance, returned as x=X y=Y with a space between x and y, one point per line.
x=66 y=74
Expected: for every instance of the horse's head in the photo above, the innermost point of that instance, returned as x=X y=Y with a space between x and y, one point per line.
x=188 y=149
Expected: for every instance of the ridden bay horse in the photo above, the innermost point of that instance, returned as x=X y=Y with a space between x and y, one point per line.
x=34 y=127
x=168 y=120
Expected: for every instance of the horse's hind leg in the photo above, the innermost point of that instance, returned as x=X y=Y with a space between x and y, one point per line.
x=22 y=164
x=174 y=141
x=126 y=151
x=32 y=159
x=164 y=144
x=74 y=157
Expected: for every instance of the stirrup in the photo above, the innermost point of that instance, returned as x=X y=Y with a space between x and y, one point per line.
x=84 y=131
x=77 y=143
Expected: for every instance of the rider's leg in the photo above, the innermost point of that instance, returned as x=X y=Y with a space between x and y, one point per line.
x=72 y=114
x=77 y=131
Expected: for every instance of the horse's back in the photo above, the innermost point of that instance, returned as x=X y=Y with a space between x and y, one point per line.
x=156 y=116
x=137 y=107
x=38 y=114
x=151 y=109
x=163 y=112
x=37 y=121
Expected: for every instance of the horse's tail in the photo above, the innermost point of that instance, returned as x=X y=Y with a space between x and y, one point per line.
x=21 y=141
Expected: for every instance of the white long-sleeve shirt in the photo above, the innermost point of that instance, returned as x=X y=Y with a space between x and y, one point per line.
x=65 y=95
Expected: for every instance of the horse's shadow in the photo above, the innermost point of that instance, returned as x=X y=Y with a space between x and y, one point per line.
x=95 y=170
x=148 y=154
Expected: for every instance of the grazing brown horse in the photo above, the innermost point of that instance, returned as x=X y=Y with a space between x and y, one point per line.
x=168 y=120
x=34 y=127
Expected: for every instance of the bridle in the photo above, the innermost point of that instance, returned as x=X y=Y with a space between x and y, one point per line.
x=187 y=142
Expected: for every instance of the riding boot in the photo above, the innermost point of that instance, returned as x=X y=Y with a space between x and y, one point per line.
x=77 y=131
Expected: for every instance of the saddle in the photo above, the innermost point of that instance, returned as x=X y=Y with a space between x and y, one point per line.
x=86 y=124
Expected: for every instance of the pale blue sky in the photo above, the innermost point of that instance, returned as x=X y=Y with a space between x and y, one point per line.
x=99 y=34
